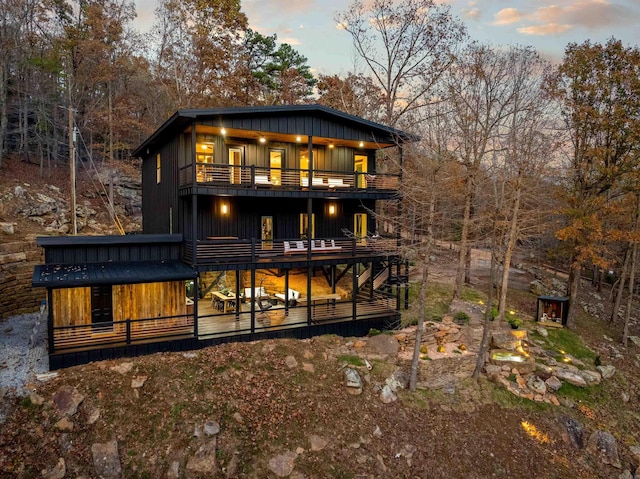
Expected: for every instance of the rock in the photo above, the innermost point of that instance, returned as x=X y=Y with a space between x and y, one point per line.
x=174 y=471
x=386 y=395
x=553 y=383
x=211 y=428
x=574 y=432
x=238 y=417
x=204 y=460
x=492 y=371
x=605 y=446
x=635 y=340
x=542 y=331
x=308 y=367
x=384 y=344
x=591 y=377
x=64 y=424
x=57 y=472
x=138 y=381
x=377 y=432
x=318 y=443
x=106 y=460
x=19 y=192
x=66 y=400
x=543 y=371
x=536 y=384
x=282 y=465
x=537 y=287
x=45 y=377
x=398 y=380
x=122 y=368
x=352 y=381
x=7 y=228
x=93 y=416
x=626 y=475
x=36 y=399
x=606 y=371
x=290 y=362
x=571 y=377
x=401 y=337
x=635 y=452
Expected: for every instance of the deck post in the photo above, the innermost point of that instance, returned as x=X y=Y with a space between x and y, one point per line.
x=128 y=329
x=286 y=292
x=354 y=295
x=253 y=298
x=50 y=321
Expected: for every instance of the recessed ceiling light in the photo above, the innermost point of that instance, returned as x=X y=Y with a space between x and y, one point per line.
x=223 y=131
x=263 y=139
x=361 y=144
x=298 y=139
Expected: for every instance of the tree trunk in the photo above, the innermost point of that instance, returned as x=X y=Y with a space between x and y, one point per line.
x=464 y=239
x=508 y=253
x=486 y=330
x=572 y=289
x=627 y=313
x=621 y=284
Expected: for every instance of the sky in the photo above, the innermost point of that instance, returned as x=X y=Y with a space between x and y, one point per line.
x=547 y=25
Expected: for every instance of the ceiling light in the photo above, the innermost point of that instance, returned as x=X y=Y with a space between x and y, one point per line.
x=223 y=131
x=298 y=139
x=263 y=139
x=361 y=144
x=330 y=145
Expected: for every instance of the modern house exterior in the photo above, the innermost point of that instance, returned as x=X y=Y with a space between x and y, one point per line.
x=257 y=222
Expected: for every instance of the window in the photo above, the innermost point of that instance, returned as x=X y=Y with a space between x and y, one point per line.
x=304 y=226
x=360 y=167
x=158 y=163
x=275 y=163
x=360 y=228
x=235 y=165
x=304 y=165
x=204 y=157
x=267 y=232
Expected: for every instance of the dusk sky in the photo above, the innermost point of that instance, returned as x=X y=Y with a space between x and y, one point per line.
x=547 y=25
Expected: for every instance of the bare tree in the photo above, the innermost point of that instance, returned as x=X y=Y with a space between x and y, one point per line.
x=406 y=47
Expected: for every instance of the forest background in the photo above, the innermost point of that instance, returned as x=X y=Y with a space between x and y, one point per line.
x=514 y=152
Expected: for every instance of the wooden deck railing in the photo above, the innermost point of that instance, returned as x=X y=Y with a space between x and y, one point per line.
x=154 y=330
x=250 y=176
x=230 y=251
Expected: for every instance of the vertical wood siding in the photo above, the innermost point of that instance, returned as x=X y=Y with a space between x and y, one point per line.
x=71 y=306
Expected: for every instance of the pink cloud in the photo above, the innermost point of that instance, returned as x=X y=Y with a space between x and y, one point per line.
x=507 y=16
x=546 y=29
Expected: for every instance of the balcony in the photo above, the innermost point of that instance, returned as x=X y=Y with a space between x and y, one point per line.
x=256 y=177
x=226 y=252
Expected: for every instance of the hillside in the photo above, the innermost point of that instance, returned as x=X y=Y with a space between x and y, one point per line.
x=281 y=408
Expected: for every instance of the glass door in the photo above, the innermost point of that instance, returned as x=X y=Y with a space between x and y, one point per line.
x=304 y=165
x=275 y=165
x=307 y=231
x=360 y=228
x=360 y=167
x=235 y=166
x=267 y=232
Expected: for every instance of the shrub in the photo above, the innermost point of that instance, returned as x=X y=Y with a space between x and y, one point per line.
x=461 y=317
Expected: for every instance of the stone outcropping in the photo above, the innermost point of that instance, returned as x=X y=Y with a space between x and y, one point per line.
x=17 y=260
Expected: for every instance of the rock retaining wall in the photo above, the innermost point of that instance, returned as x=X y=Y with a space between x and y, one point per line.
x=17 y=260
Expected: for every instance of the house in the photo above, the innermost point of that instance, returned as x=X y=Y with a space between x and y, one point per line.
x=257 y=222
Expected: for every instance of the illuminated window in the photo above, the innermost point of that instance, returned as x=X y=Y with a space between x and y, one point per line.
x=304 y=226
x=158 y=164
x=360 y=227
x=360 y=167
x=275 y=163
x=304 y=165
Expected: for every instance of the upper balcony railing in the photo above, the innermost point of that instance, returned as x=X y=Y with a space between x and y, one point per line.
x=226 y=251
x=263 y=177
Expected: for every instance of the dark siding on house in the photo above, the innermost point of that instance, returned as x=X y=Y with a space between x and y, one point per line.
x=159 y=198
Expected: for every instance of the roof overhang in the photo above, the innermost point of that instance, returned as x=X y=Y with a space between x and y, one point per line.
x=381 y=135
x=89 y=274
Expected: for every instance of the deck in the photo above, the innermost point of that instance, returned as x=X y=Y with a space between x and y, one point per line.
x=79 y=344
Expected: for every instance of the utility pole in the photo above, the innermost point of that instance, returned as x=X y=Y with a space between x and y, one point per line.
x=72 y=166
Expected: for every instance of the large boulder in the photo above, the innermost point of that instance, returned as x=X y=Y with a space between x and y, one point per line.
x=384 y=344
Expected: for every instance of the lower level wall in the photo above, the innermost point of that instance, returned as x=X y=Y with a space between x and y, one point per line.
x=17 y=260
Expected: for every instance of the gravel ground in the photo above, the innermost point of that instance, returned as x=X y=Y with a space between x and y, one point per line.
x=23 y=352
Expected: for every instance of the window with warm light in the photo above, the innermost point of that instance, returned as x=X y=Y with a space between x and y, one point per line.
x=158 y=167
x=360 y=228
x=307 y=231
x=332 y=209
x=275 y=164
x=204 y=157
x=224 y=208
x=304 y=165
x=360 y=167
